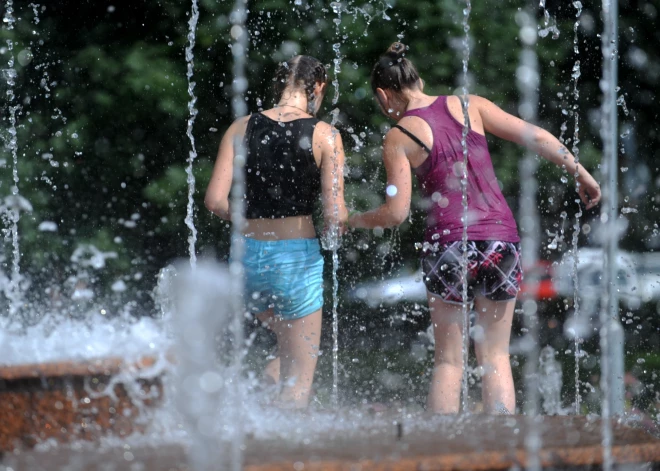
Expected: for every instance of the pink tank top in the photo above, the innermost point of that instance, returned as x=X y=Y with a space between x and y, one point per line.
x=489 y=216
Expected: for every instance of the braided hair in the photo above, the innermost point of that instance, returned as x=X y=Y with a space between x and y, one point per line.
x=300 y=71
x=393 y=71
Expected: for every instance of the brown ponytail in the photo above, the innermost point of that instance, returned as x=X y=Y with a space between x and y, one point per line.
x=300 y=71
x=393 y=71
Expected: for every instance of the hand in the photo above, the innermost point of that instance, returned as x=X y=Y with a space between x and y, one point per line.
x=331 y=236
x=588 y=189
x=353 y=219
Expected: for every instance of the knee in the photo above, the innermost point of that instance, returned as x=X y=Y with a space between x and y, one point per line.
x=489 y=356
x=449 y=358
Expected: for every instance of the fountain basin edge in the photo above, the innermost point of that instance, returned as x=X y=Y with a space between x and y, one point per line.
x=74 y=400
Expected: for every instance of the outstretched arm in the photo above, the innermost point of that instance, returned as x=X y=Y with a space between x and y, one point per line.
x=509 y=127
x=216 y=199
x=399 y=188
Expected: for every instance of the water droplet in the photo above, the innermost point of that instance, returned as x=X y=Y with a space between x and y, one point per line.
x=391 y=190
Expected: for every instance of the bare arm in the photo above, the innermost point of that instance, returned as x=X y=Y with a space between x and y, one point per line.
x=329 y=143
x=396 y=208
x=216 y=199
x=506 y=126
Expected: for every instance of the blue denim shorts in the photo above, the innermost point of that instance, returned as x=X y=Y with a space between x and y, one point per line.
x=283 y=275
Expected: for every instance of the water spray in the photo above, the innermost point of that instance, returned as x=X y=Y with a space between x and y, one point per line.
x=192 y=155
x=611 y=331
x=465 y=103
x=527 y=76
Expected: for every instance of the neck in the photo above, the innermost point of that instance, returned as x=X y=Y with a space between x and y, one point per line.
x=414 y=96
x=295 y=99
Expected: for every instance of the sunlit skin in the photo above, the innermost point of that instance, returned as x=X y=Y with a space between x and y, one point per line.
x=298 y=339
x=400 y=154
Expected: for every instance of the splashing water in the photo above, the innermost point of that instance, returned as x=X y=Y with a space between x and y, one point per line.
x=12 y=212
x=528 y=81
x=611 y=337
x=9 y=19
x=192 y=155
x=332 y=235
x=464 y=201
x=330 y=239
x=97 y=335
x=35 y=12
x=239 y=48
x=335 y=330
x=578 y=6
x=621 y=101
x=550 y=381
x=575 y=75
x=549 y=25
x=207 y=388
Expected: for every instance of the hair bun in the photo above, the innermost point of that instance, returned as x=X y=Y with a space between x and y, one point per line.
x=397 y=50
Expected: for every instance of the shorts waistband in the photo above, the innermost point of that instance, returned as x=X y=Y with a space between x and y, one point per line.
x=286 y=244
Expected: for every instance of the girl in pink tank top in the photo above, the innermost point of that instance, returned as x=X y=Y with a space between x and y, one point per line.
x=426 y=142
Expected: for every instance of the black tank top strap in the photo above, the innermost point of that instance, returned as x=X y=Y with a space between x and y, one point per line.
x=413 y=137
x=460 y=98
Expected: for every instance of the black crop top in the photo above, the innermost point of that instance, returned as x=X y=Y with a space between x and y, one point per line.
x=281 y=175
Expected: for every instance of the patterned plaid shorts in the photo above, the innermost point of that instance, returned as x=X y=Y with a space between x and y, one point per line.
x=494 y=270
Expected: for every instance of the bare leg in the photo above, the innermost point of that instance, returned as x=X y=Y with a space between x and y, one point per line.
x=271 y=373
x=492 y=349
x=445 y=391
x=298 y=346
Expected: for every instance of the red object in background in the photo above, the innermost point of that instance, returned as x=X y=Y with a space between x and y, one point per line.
x=546 y=288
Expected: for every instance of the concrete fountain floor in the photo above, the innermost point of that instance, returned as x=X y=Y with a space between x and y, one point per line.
x=423 y=443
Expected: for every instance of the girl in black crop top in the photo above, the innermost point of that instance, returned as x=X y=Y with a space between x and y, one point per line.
x=293 y=160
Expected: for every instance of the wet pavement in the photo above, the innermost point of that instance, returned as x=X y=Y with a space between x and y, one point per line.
x=428 y=443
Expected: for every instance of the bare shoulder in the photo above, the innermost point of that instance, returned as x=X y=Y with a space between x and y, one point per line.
x=411 y=123
x=481 y=102
x=240 y=124
x=236 y=129
x=414 y=125
x=326 y=134
x=326 y=129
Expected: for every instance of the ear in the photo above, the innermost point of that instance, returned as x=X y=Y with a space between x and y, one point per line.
x=421 y=85
x=320 y=89
x=382 y=96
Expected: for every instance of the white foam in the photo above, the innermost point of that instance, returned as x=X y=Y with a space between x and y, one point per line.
x=57 y=338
